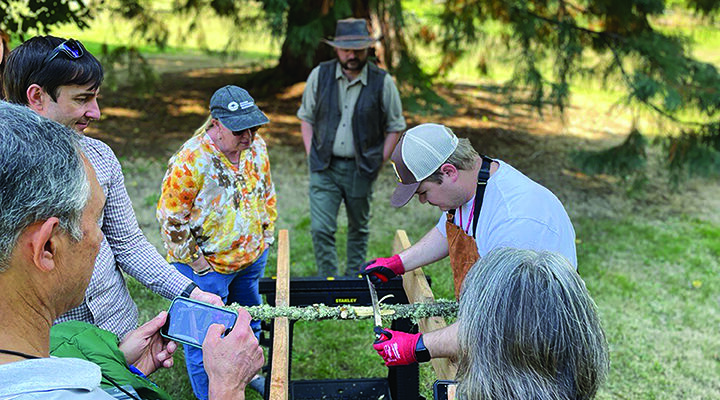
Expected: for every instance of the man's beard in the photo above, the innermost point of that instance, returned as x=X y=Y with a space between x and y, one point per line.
x=353 y=65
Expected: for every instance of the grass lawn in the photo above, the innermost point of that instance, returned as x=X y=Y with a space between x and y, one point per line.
x=650 y=261
x=654 y=277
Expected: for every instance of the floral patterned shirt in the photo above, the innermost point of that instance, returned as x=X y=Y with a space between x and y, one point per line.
x=214 y=208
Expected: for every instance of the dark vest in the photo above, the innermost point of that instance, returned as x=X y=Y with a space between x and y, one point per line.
x=368 y=121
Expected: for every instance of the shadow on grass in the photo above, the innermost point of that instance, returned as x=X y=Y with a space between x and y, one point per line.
x=156 y=125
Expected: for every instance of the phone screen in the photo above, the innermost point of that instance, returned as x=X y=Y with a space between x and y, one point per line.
x=444 y=390
x=189 y=320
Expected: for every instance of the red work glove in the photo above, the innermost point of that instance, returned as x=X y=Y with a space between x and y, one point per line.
x=398 y=349
x=381 y=270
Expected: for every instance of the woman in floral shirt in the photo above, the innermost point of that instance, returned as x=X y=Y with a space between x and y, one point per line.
x=217 y=209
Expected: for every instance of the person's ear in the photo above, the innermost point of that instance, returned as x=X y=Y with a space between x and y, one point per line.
x=44 y=243
x=449 y=170
x=35 y=97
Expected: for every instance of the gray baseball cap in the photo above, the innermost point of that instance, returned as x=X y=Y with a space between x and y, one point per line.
x=418 y=154
x=236 y=109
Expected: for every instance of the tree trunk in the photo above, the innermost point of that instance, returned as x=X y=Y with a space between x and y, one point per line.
x=304 y=18
x=387 y=20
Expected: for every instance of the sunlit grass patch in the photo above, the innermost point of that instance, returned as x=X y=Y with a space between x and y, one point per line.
x=655 y=282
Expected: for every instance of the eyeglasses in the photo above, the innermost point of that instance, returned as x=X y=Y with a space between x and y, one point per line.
x=251 y=130
x=72 y=48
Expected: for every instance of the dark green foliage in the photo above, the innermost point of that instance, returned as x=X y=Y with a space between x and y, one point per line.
x=694 y=152
x=419 y=97
x=704 y=6
x=31 y=17
x=624 y=159
x=147 y=22
x=141 y=77
x=657 y=69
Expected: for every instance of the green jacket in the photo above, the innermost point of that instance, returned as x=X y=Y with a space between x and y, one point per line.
x=75 y=339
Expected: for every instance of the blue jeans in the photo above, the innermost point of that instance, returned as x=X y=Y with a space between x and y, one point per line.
x=240 y=287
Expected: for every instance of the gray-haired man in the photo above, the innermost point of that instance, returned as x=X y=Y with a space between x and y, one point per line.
x=50 y=205
x=60 y=80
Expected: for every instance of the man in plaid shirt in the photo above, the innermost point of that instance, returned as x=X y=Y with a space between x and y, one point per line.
x=60 y=80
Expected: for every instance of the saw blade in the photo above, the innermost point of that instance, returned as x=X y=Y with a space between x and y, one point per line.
x=375 y=302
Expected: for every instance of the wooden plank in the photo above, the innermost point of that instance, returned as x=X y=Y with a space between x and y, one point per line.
x=279 y=381
x=282 y=290
x=418 y=291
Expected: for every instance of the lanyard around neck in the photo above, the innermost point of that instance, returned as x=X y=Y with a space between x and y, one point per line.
x=466 y=229
x=482 y=178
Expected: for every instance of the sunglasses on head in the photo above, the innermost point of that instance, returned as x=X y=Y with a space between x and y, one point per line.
x=72 y=49
x=252 y=131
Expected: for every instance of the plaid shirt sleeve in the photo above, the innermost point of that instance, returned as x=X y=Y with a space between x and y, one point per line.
x=107 y=302
x=133 y=253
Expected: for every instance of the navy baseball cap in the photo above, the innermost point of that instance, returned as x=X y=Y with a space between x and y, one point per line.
x=236 y=109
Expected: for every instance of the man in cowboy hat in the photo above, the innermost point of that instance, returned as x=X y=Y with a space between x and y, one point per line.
x=351 y=117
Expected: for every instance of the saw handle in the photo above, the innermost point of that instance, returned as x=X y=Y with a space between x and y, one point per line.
x=381 y=335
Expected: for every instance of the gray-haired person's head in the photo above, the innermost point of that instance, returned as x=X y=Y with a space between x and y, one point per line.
x=41 y=175
x=529 y=330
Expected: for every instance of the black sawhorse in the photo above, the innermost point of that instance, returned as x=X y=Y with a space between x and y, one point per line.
x=402 y=382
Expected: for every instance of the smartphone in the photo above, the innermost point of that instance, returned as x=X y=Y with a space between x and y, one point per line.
x=444 y=390
x=188 y=320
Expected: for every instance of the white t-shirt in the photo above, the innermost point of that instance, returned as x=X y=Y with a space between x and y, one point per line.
x=517 y=212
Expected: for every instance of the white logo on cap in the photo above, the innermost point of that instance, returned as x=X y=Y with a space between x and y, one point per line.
x=232 y=106
x=246 y=104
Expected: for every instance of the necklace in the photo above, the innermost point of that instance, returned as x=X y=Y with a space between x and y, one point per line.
x=19 y=354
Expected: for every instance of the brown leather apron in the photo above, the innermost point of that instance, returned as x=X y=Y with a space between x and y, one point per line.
x=463 y=252
x=462 y=247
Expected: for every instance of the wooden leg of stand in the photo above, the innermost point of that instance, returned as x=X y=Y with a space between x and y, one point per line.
x=280 y=382
x=418 y=291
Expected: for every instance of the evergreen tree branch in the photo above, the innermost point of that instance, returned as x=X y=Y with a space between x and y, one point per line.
x=626 y=78
x=608 y=38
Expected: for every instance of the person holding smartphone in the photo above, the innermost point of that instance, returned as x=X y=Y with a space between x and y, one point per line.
x=50 y=212
x=217 y=210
